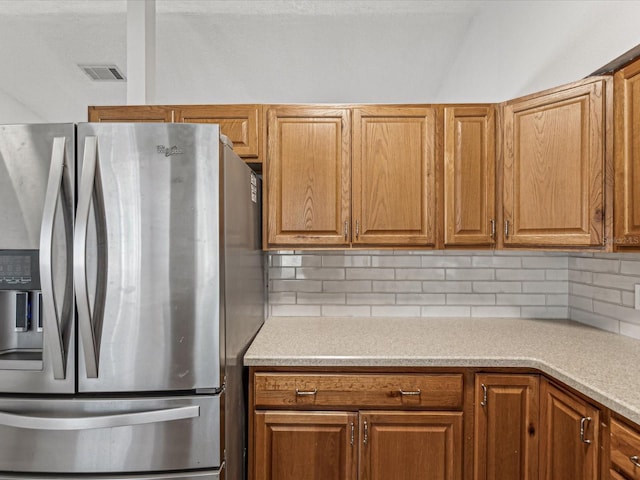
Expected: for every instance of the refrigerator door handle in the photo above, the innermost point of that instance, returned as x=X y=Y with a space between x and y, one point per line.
x=52 y=327
x=31 y=422
x=85 y=320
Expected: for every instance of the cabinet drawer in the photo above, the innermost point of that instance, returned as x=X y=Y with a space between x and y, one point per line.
x=625 y=449
x=443 y=391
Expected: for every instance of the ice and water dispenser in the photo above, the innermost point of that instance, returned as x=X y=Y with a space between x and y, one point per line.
x=20 y=310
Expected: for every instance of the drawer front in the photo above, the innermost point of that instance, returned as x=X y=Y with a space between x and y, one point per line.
x=625 y=449
x=442 y=391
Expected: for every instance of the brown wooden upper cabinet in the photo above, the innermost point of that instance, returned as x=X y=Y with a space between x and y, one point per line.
x=241 y=123
x=393 y=185
x=627 y=157
x=469 y=175
x=325 y=188
x=137 y=113
x=308 y=176
x=554 y=167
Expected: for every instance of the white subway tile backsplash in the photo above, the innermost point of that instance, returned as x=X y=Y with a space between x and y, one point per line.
x=495 y=311
x=595 y=289
x=371 y=273
x=395 y=311
x=444 y=311
x=520 y=299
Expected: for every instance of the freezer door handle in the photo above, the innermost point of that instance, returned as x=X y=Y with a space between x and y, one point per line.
x=52 y=327
x=34 y=422
x=90 y=341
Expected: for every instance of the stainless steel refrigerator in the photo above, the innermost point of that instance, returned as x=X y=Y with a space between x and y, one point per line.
x=131 y=283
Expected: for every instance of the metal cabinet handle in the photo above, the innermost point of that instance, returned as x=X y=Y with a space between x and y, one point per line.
x=346 y=230
x=366 y=433
x=506 y=229
x=635 y=460
x=493 y=228
x=306 y=393
x=52 y=328
x=484 y=395
x=357 y=229
x=353 y=433
x=583 y=420
x=410 y=392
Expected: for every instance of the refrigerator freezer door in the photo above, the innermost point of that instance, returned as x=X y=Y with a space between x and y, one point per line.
x=92 y=436
x=146 y=257
x=204 y=475
x=37 y=165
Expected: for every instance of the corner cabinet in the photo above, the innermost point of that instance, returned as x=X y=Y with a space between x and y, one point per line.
x=627 y=158
x=506 y=427
x=469 y=176
x=554 y=167
x=241 y=123
x=570 y=440
x=351 y=176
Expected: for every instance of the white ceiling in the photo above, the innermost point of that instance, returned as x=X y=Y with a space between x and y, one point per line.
x=228 y=51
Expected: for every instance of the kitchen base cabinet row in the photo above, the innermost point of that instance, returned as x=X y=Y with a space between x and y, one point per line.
x=465 y=425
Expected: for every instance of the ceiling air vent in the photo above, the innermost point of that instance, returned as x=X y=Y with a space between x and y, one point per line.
x=103 y=72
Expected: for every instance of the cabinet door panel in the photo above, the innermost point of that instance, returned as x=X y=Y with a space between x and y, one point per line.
x=394 y=176
x=305 y=445
x=134 y=113
x=469 y=171
x=410 y=446
x=308 y=176
x=506 y=435
x=238 y=122
x=563 y=454
x=627 y=157
x=554 y=168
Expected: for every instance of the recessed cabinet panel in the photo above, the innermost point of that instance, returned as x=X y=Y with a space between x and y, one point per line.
x=134 y=113
x=411 y=445
x=305 y=445
x=469 y=183
x=506 y=429
x=394 y=176
x=569 y=445
x=627 y=158
x=238 y=122
x=308 y=176
x=554 y=168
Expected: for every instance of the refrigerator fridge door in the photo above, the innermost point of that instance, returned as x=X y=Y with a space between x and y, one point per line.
x=146 y=257
x=102 y=436
x=37 y=344
x=204 y=475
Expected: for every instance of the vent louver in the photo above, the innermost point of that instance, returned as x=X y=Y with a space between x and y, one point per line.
x=103 y=72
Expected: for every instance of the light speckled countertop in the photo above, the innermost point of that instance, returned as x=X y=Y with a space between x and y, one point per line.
x=601 y=365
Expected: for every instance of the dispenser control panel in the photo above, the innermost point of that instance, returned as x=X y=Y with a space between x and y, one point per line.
x=19 y=270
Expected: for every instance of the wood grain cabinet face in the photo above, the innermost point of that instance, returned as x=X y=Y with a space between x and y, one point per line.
x=627 y=157
x=305 y=445
x=134 y=113
x=411 y=445
x=506 y=427
x=308 y=176
x=469 y=176
x=553 y=171
x=394 y=176
x=238 y=122
x=569 y=442
x=625 y=450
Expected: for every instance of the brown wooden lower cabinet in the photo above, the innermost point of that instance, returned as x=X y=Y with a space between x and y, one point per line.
x=366 y=445
x=307 y=424
x=305 y=445
x=506 y=427
x=569 y=444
